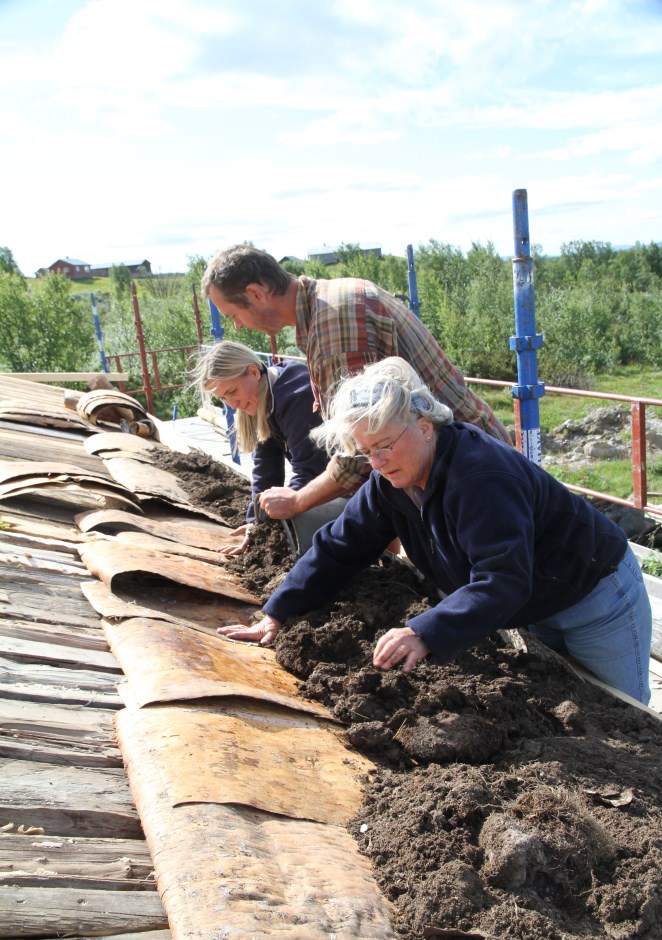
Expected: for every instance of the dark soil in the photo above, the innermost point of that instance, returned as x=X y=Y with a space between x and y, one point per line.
x=511 y=798
x=209 y=483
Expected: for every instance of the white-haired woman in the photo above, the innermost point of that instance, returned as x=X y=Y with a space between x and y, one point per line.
x=274 y=418
x=507 y=544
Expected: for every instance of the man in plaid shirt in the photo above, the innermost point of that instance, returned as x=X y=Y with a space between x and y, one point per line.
x=341 y=324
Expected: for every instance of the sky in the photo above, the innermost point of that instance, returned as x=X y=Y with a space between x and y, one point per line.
x=168 y=129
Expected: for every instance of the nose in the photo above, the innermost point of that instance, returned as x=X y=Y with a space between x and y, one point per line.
x=236 y=322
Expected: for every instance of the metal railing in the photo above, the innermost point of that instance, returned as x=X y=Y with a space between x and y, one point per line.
x=638 y=425
x=637 y=411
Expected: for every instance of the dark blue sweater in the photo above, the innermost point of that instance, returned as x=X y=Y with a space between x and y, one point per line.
x=291 y=421
x=502 y=538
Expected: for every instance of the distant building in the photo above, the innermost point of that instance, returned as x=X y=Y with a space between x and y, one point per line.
x=75 y=269
x=138 y=268
x=71 y=267
x=330 y=255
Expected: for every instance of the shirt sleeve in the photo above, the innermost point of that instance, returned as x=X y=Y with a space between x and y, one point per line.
x=340 y=549
x=268 y=470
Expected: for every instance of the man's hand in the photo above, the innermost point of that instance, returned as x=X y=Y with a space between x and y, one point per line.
x=399 y=643
x=280 y=502
x=264 y=632
x=232 y=548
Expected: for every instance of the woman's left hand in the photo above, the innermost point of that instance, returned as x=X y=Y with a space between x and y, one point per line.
x=398 y=644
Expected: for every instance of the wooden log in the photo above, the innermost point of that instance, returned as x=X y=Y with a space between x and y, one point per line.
x=26 y=912
x=67 y=801
x=42 y=683
x=62 y=734
x=67 y=376
x=56 y=634
x=73 y=657
x=109 y=864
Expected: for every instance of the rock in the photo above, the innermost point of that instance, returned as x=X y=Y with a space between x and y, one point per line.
x=603 y=450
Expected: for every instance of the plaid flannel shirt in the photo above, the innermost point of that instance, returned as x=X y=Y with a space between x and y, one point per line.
x=344 y=323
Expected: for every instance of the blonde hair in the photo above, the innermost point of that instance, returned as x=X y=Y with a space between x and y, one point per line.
x=382 y=392
x=230 y=360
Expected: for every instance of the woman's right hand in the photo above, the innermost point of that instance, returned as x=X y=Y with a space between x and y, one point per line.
x=232 y=548
x=265 y=631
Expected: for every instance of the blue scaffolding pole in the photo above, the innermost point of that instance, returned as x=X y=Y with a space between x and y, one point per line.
x=97 y=330
x=217 y=331
x=526 y=342
x=414 y=304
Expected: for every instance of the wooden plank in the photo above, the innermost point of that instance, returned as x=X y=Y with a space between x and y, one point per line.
x=147 y=935
x=17 y=605
x=118 y=863
x=30 y=542
x=14 y=555
x=22 y=442
x=62 y=734
x=42 y=683
x=24 y=912
x=68 y=376
x=11 y=387
x=68 y=801
x=73 y=656
x=57 y=634
x=33 y=510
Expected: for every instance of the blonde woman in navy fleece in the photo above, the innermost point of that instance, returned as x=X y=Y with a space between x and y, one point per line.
x=507 y=544
x=274 y=418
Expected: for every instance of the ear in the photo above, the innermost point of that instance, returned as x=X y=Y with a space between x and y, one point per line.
x=425 y=425
x=255 y=371
x=257 y=293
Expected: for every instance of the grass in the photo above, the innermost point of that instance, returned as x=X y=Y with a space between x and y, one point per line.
x=609 y=476
x=652 y=566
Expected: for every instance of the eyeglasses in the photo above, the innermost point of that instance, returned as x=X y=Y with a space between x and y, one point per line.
x=382 y=453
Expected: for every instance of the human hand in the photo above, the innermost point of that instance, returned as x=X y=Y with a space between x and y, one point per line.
x=279 y=502
x=399 y=643
x=265 y=631
x=232 y=548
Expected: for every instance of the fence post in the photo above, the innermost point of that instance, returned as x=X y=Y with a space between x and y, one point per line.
x=526 y=341
x=639 y=482
x=147 y=385
x=414 y=304
x=97 y=330
x=196 y=312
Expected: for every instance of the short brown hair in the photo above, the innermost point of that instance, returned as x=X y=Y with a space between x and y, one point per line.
x=232 y=270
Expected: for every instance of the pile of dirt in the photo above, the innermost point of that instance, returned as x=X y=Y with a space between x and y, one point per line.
x=208 y=483
x=511 y=798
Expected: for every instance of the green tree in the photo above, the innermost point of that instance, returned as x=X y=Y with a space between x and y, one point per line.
x=120 y=282
x=45 y=329
x=7 y=263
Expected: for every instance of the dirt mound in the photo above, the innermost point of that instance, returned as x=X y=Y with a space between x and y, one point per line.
x=511 y=799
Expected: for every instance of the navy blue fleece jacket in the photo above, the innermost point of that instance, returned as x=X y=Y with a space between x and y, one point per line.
x=291 y=420
x=506 y=542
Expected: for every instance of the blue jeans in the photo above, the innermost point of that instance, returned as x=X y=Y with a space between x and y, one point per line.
x=609 y=632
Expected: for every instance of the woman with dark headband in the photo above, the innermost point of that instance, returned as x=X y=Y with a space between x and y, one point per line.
x=274 y=418
x=506 y=543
